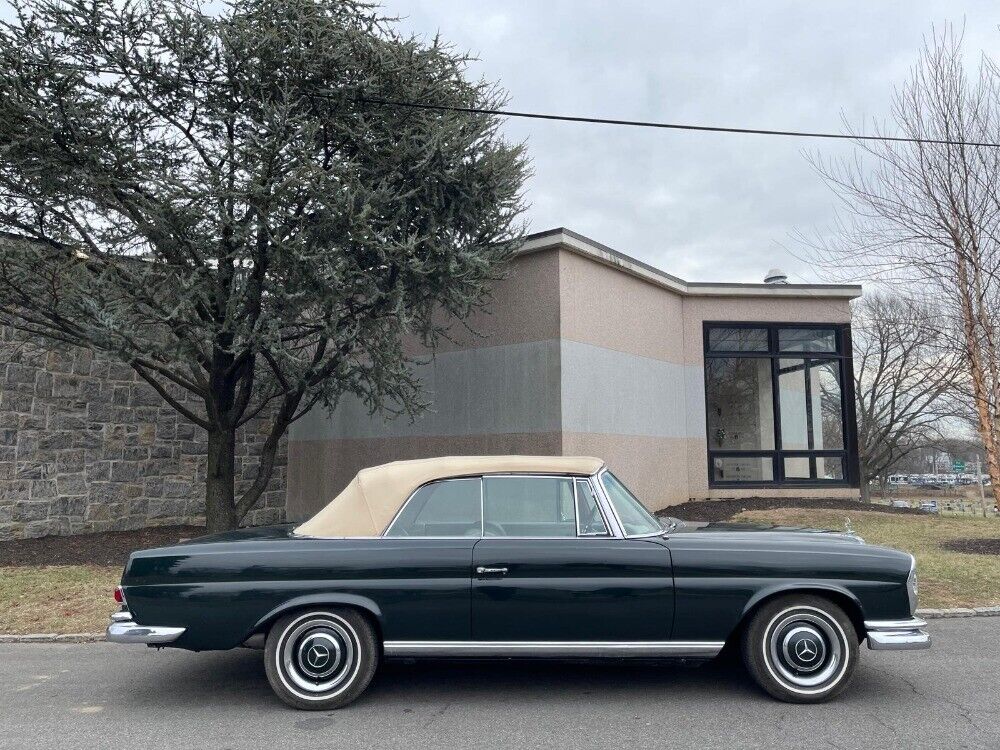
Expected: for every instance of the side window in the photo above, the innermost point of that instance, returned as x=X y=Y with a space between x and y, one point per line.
x=590 y=522
x=448 y=508
x=528 y=506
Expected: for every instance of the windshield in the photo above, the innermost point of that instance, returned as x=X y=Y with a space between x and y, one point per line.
x=634 y=517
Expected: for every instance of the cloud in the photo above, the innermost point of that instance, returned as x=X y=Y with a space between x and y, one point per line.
x=700 y=206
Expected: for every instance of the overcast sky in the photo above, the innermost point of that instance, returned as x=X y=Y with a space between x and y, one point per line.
x=701 y=206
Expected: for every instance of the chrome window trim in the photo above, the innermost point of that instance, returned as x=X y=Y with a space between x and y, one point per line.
x=576 y=506
x=621 y=527
x=691 y=649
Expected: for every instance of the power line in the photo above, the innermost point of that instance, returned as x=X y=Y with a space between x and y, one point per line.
x=674 y=126
x=567 y=118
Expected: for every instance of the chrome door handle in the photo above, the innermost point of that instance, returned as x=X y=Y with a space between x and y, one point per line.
x=483 y=571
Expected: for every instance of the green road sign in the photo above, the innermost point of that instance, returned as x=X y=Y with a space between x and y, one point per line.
x=958 y=466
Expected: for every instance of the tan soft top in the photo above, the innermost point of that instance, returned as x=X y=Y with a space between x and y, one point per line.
x=375 y=495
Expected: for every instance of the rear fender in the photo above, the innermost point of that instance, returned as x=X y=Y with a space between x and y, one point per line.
x=313 y=601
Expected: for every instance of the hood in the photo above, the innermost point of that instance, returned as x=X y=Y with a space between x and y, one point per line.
x=727 y=529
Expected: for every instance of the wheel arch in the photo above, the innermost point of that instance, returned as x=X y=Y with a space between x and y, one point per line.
x=363 y=604
x=839 y=595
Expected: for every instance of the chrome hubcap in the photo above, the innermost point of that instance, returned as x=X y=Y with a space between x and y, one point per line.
x=805 y=649
x=317 y=654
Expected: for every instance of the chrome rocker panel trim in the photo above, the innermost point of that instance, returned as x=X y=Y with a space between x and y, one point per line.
x=689 y=649
x=903 y=635
x=124 y=630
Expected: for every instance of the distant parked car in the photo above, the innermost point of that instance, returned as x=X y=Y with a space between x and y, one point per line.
x=929 y=506
x=899 y=504
x=518 y=556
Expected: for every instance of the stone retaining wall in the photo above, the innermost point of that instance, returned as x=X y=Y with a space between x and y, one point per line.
x=86 y=446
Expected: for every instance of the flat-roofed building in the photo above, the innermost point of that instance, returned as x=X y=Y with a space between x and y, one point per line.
x=688 y=390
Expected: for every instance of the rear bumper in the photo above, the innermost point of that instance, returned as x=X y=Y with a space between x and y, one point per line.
x=124 y=630
x=900 y=635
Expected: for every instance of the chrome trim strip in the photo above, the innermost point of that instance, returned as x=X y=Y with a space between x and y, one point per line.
x=913 y=622
x=694 y=649
x=902 y=635
x=127 y=631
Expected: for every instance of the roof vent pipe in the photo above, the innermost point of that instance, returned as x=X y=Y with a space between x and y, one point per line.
x=776 y=276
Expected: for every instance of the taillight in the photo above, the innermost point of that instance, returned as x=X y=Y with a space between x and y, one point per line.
x=119 y=595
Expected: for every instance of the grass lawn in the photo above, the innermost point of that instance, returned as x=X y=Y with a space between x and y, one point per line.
x=947 y=579
x=77 y=598
x=57 y=598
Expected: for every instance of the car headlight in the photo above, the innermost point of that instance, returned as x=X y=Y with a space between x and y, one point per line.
x=911 y=584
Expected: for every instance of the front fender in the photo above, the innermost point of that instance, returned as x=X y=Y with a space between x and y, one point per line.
x=311 y=601
x=811 y=587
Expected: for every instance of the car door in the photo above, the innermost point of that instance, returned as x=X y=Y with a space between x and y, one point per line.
x=549 y=570
x=423 y=587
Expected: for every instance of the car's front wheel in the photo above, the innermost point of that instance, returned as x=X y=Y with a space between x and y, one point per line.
x=321 y=659
x=801 y=648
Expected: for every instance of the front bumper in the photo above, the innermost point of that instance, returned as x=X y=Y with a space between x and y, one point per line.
x=886 y=635
x=124 y=630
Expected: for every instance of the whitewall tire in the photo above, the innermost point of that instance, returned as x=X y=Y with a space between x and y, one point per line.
x=321 y=659
x=801 y=648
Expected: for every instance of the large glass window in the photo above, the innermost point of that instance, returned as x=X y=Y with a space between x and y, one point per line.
x=741 y=407
x=775 y=404
x=528 y=506
x=448 y=508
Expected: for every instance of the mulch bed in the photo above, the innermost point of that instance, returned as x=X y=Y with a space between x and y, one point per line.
x=722 y=510
x=113 y=547
x=973 y=546
x=107 y=548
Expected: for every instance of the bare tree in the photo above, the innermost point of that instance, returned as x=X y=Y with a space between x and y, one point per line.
x=905 y=376
x=927 y=215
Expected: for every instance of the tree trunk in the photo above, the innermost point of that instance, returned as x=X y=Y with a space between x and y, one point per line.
x=220 y=500
x=978 y=375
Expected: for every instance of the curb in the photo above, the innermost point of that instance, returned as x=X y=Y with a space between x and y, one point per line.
x=933 y=614
x=52 y=638
x=927 y=614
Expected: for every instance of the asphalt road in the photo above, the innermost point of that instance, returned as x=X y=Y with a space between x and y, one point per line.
x=109 y=696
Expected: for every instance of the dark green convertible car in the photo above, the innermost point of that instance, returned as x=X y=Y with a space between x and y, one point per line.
x=518 y=556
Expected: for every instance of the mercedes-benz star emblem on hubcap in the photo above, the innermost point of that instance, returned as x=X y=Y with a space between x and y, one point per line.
x=317 y=656
x=805 y=650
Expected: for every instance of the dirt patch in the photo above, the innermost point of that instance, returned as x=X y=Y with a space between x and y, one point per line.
x=109 y=548
x=721 y=510
x=973 y=546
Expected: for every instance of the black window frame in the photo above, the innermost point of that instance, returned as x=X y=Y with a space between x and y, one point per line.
x=843 y=357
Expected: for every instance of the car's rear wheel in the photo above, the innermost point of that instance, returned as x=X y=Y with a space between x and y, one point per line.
x=801 y=648
x=321 y=659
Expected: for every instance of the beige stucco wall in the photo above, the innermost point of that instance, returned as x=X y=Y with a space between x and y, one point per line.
x=524 y=307
x=574 y=357
x=608 y=308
